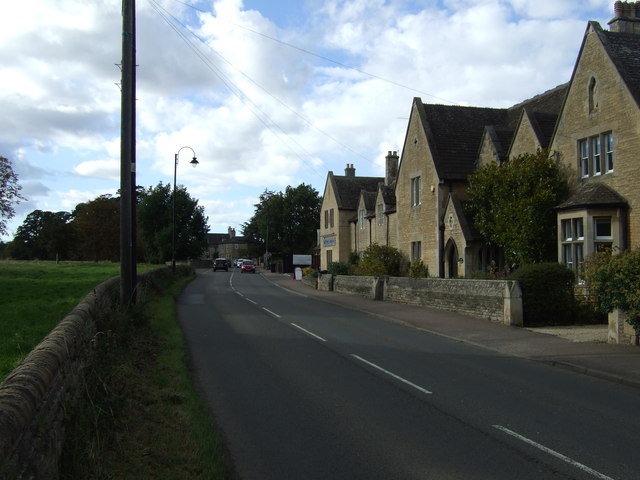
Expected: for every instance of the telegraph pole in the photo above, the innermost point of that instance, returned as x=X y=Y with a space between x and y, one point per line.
x=127 y=155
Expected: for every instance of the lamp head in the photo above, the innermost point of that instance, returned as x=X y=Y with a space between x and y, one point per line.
x=194 y=162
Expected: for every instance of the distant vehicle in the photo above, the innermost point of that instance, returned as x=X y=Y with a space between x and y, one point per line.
x=248 y=266
x=237 y=262
x=221 y=264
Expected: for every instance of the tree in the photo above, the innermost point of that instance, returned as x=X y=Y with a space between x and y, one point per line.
x=285 y=222
x=43 y=235
x=9 y=193
x=380 y=261
x=512 y=206
x=97 y=225
x=155 y=224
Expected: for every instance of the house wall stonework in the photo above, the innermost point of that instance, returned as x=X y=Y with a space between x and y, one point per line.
x=614 y=110
x=418 y=223
x=525 y=139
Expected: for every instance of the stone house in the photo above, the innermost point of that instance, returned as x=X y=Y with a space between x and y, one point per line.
x=591 y=124
x=348 y=198
x=226 y=245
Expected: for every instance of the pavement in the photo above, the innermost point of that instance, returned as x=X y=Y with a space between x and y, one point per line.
x=581 y=349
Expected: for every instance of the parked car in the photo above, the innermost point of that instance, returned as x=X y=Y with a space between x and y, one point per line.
x=248 y=266
x=221 y=264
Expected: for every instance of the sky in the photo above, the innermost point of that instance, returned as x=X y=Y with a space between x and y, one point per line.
x=267 y=93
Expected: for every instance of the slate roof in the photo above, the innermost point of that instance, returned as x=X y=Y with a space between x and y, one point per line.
x=593 y=194
x=216 y=238
x=624 y=51
x=348 y=189
x=455 y=132
x=454 y=135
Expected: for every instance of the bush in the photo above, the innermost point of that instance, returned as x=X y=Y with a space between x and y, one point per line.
x=418 y=269
x=339 y=268
x=309 y=272
x=380 y=261
x=547 y=294
x=615 y=280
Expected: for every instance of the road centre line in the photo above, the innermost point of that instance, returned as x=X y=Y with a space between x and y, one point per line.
x=562 y=457
x=391 y=374
x=251 y=301
x=270 y=312
x=308 y=332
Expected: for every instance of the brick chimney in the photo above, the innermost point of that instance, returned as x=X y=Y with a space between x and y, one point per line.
x=391 y=171
x=350 y=171
x=626 y=17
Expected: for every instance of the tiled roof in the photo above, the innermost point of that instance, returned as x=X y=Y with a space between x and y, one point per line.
x=593 y=194
x=455 y=134
x=348 y=189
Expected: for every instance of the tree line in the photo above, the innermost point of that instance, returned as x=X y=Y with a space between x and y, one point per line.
x=92 y=230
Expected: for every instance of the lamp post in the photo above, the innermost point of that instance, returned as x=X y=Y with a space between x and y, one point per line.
x=193 y=162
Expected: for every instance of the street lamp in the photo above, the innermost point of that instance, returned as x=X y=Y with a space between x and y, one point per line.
x=193 y=162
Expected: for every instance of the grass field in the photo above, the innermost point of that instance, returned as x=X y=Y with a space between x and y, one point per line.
x=35 y=296
x=142 y=417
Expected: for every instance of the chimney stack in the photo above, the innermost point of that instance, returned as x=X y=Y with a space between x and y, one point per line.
x=626 y=17
x=391 y=171
x=350 y=171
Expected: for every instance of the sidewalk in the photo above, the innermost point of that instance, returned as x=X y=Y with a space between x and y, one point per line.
x=617 y=363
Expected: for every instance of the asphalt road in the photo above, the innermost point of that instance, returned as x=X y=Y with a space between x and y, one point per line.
x=308 y=390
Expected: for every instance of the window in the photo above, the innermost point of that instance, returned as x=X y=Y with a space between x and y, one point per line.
x=573 y=243
x=416 y=251
x=361 y=219
x=602 y=228
x=329 y=257
x=591 y=161
x=331 y=218
x=380 y=214
x=608 y=151
x=593 y=95
x=415 y=191
x=326 y=219
x=584 y=158
x=595 y=149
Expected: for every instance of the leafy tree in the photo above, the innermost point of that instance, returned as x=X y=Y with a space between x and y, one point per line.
x=97 y=225
x=43 y=235
x=155 y=224
x=9 y=193
x=512 y=206
x=285 y=222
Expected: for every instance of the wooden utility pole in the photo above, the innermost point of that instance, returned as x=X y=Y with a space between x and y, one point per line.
x=127 y=155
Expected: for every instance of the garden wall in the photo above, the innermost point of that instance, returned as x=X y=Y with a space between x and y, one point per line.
x=37 y=396
x=498 y=300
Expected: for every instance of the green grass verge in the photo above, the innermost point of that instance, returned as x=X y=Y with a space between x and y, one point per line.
x=142 y=417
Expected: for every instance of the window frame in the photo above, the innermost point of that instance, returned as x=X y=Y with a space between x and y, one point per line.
x=415 y=191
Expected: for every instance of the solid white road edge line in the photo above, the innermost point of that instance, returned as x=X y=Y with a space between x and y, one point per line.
x=308 y=332
x=391 y=374
x=553 y=453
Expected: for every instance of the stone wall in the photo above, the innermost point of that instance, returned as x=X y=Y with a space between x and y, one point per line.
x=497 y=300
x=36 y=397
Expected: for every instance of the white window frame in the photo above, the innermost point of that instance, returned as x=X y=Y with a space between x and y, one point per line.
x=596 y=153
x=584 y=157
x=608 y=151
x=361 y=215
x=415 y=191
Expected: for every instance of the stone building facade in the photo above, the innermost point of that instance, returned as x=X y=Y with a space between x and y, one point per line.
x=591 y=124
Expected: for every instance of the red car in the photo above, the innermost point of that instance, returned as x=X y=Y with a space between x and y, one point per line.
x=248 y=266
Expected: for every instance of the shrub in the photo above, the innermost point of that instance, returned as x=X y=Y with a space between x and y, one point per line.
x=418 y=269
x=547 y=293
x=339 y=268
x=379 y=261
x=615 y=280
x=309 y=272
